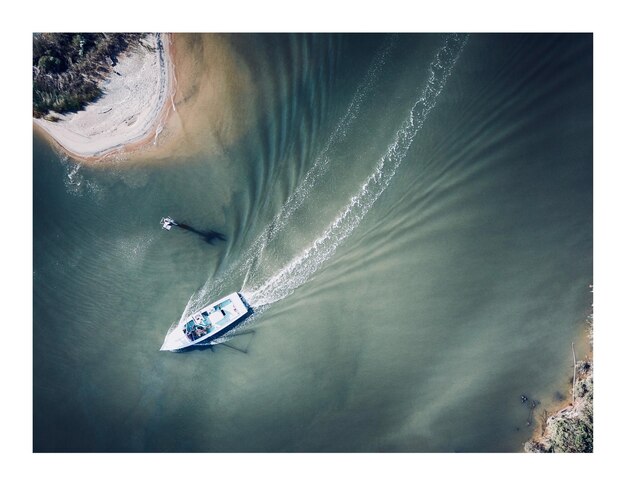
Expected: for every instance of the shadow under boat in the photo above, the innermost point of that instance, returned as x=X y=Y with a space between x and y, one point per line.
x=212 y=346
x=210 y=236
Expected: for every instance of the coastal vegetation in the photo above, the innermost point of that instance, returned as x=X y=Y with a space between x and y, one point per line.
x=68 y=68
x=570 y=429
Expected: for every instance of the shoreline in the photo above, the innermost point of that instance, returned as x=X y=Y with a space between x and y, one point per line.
x=568 y=427
x=131 y=113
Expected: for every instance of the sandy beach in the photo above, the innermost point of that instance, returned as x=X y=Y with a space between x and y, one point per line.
x=137 y=97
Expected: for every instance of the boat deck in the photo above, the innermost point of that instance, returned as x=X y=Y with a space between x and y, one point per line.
x=213 y=320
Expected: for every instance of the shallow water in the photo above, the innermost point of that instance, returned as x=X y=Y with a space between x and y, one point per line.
x=410 y=215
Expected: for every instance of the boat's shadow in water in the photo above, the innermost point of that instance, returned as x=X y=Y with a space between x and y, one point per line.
x=242 y=345
x=208 y=236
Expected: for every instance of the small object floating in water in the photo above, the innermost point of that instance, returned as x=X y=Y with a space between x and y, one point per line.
x=208 y=323
x=167 y=223
x=524 y=399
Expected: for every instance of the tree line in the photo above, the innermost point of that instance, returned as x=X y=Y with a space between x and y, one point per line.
x=68 y=68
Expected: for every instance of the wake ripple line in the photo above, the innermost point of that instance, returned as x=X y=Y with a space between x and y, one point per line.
x=301 y=268
x=215 y=285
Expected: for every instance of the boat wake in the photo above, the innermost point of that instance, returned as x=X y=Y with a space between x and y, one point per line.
x=300 y=269
x=216 y=286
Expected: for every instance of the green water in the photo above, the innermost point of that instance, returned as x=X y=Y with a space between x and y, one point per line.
x=411 y=216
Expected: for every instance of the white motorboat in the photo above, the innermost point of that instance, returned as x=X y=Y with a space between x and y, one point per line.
x=167 y=223
x=208 y=323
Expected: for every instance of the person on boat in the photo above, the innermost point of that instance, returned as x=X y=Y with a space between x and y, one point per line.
x=189 y=333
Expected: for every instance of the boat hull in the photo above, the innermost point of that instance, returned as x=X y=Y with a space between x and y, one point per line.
x=207 y=324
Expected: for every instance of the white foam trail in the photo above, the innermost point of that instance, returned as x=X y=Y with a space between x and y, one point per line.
x=301 y=268
x=214 y=286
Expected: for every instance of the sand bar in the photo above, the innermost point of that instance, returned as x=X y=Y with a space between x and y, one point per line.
x=131 y=110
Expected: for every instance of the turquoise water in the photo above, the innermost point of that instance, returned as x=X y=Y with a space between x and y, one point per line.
x=410 y=216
